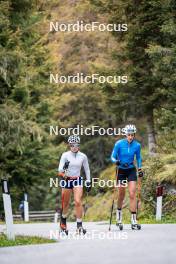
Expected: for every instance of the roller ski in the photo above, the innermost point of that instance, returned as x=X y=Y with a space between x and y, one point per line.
x=119 y=225
x=63 y=230
x=135 y=226
x=80 y=230
x=63 y=226
x=119 y=219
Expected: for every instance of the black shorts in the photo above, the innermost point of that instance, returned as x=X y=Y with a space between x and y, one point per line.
x=70 y=184
x=127 y=175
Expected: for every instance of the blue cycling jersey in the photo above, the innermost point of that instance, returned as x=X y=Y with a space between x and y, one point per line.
x=125 y=153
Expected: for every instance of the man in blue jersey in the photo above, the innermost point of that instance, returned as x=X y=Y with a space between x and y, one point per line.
x=123 y=155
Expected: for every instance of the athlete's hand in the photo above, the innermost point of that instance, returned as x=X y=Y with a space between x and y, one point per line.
x=62 y=174
x=88 y=185
x=65 y=177
x=140 y=173
x=118 y=162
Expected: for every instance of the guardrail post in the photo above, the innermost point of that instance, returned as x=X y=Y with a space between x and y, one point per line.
x=159 y=194
x=56 y=216
x=26 y=208
x=8 y=210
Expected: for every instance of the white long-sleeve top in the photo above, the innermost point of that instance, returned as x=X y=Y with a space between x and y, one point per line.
x=76 y=161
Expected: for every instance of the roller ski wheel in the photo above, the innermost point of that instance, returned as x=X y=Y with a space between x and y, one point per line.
x=120 y=226
x=135 y=226
x=80 y=231
x=64 y=231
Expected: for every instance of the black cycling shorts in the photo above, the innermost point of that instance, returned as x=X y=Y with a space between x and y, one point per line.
x=70 y=184
x=127 y=175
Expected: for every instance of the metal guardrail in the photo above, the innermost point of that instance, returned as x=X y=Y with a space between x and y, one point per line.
x=37 y=215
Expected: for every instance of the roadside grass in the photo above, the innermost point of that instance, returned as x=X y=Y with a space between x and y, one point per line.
x=154 y=221
x=23 y=240
x=159 y=169
x=99 y=209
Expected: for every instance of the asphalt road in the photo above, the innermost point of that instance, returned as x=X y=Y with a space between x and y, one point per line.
x=153 y=244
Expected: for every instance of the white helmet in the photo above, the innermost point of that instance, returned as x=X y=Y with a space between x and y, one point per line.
x=74 y=139
x=130 y=129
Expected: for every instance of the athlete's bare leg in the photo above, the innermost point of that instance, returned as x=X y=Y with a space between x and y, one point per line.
x=66 y=194
x=78 y=193
x=132 y=195
x=121 y=195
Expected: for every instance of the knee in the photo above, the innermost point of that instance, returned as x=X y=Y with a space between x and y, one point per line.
x=132 y=195
x=77 y=203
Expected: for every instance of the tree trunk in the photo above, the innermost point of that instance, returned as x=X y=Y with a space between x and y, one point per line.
x=151 y=134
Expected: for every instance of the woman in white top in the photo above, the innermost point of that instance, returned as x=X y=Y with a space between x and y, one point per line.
x=70 y=166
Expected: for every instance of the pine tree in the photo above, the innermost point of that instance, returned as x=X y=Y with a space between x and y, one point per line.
x=144 y=92
x=23 y=98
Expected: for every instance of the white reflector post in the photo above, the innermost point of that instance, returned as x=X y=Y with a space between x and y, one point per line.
x=159 y=193
x=26 y=208
x=56 y=215
x=8 y=210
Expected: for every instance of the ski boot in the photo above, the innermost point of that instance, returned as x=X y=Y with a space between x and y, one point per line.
x=63 y=229
x=80 y=230
x=63 y=226
x=135 y=226
x=119 y=225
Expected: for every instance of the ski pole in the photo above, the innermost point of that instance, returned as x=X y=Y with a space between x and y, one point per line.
x=138 y=196
x=62 y=205
x=65 y=168
x=112 y=207
x=110 y=221
x=85 y=205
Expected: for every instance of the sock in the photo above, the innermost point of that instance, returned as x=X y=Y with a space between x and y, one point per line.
x=63 y=220
x=133 y=217
x=119 y=215
x=79 y=222
x=64 y=215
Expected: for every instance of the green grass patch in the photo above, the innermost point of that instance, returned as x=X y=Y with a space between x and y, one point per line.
x=23 y=240
x=151 y=221
x=154 y=221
